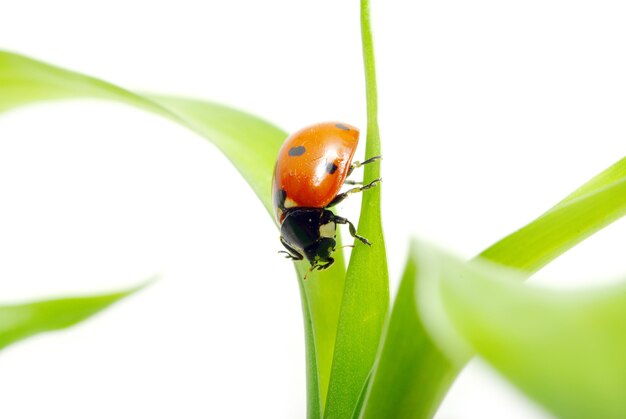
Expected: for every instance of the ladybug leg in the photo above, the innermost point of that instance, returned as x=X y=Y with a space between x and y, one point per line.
x=291 y=252
x=290 y=256
x=359 y=164
x=326 y=265
x=344 y=195
x=317 y=267
x=341 y=220
x=352 y=182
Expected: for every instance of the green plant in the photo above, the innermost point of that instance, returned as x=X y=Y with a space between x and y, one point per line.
x=361 y=362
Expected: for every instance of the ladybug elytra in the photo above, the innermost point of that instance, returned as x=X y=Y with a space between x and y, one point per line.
x=312 y=166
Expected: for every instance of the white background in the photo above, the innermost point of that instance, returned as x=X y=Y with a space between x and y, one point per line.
x=490 y=112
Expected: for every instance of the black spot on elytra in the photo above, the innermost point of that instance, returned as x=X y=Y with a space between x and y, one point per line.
x=342 y=126
x=331 y=168
x=297 y=151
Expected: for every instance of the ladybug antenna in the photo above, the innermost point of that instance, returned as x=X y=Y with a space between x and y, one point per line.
x=308 y=272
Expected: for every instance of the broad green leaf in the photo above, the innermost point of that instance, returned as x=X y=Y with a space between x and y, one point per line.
x=20 y=321
x=412 y=374
x=366 y=295
x=565 y=349
x=250 y=143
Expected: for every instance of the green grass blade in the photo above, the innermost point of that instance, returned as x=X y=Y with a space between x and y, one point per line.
x=20 y=321
x=411 y=359
x=250 y=143
x=411 y=376
x=590 y=208
x=614 y=173
x=366 y=296
x=565 y=349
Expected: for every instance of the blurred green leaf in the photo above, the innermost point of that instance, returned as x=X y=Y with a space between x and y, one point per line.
x=412 y=374
x=250 y=143
x=20 y=321
x=366 y=296
x=565 y=349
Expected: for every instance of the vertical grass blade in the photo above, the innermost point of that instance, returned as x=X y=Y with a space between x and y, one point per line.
x=366 y=294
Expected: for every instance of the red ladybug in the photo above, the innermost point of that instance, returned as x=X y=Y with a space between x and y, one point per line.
x=311 y=168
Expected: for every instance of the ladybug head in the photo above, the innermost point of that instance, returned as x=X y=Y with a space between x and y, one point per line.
x=319 y=252
x=311 y=232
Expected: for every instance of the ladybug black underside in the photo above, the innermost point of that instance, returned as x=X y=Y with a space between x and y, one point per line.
x=310 y=233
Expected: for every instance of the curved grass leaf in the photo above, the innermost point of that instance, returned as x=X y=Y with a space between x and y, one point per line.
x=593 y=206
x=20 y=321
x=366 y=296
x=565 y=349
x=412 y=374
x=250 y=143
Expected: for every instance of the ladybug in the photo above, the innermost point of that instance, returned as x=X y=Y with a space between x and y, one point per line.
x=312 y=166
